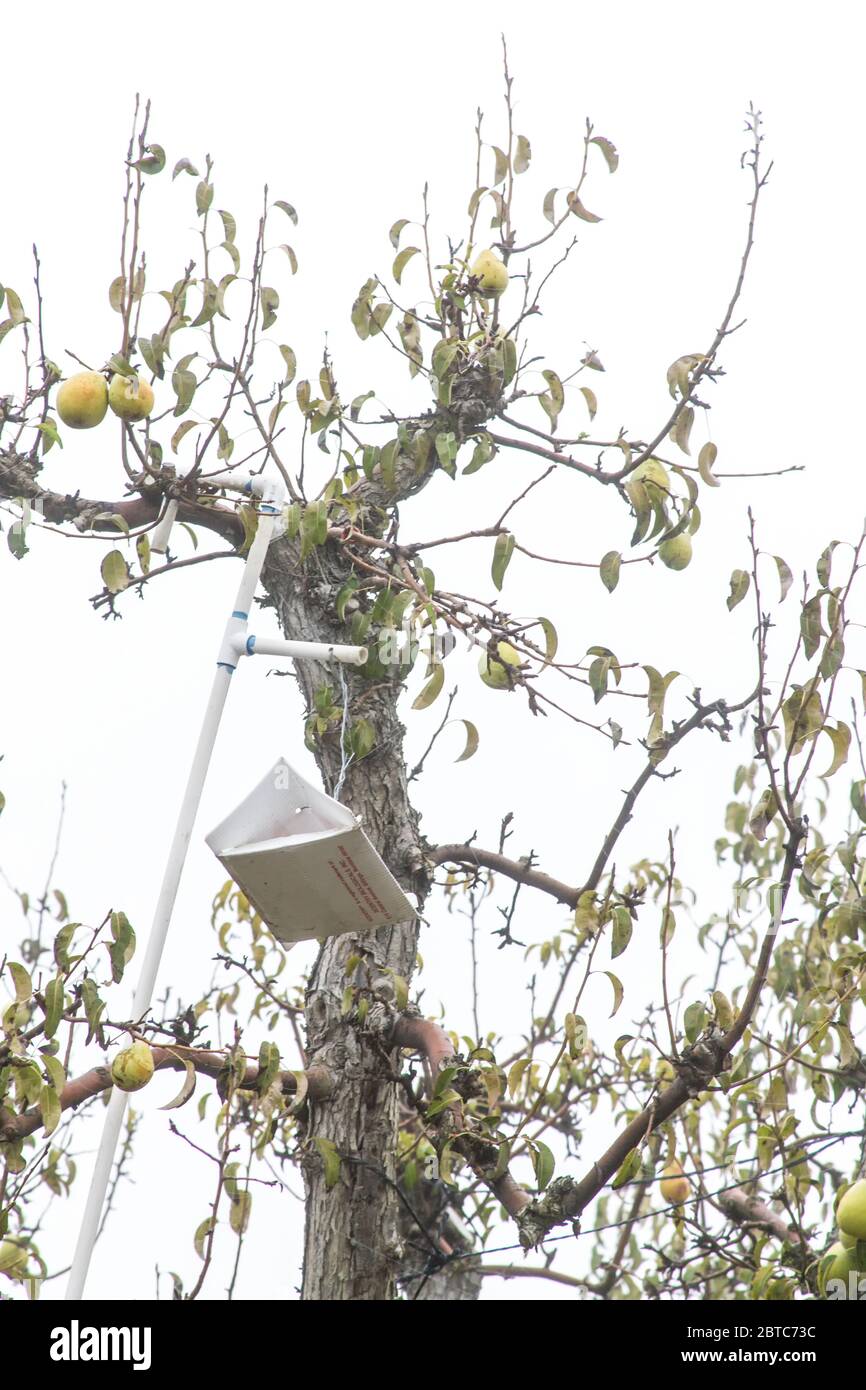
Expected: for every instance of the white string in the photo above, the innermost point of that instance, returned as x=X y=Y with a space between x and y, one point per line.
x=344 y=760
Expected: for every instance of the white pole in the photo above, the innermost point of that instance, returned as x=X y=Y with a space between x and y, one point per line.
x=311 y=651
x=162 y=917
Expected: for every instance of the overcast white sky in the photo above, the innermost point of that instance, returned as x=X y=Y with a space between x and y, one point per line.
x=345 y=111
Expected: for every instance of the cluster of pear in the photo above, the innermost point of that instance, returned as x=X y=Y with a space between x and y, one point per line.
x=676 y=552
x=849 y=1251
x=84 y=398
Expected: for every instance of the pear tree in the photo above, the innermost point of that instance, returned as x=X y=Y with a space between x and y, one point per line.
x=702 y=1150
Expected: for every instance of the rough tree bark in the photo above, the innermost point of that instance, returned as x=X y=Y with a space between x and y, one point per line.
x=352 y=1247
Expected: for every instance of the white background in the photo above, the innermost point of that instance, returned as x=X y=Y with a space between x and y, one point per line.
x=346 y=111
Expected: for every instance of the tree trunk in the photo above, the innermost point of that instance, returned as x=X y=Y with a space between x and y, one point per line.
x=352 y=1246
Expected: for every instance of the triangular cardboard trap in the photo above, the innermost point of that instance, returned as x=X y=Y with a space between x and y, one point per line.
x=304 y=862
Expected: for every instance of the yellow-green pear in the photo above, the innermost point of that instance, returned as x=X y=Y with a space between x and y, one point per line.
x=654 y=476
x=130 y=398
x=675 y=1186
x=133 y=1067
x=13 y=1258
x=493 y=668
x=83 y=400
x=844 y=1263
x=851 y=1211
x=676 y=552
x=491 y=274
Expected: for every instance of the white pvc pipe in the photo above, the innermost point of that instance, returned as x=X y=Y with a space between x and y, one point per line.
x=311 y=651
x=268 y=520
x=162 y=530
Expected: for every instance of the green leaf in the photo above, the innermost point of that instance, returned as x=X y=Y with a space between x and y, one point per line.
x=622 y=931
x=786 y=578
x=576 y=206
x=49 y=1106
x=402 y=260
x=396 y=229
x=803 y=716
x=763 y=813
x=824 y=564
x=442 y=1102
x=431 y=689
x=287 y=209
x=21 y=981
x=628 y=1170
x=293 y=260
x=186 y=1091
x=16 y=538
x=115 y=572
x=471 y=740
x=706 y=459
x=181 y=432
x=50 y=434
x=53 y=1005
x=694 y=1020
x=291 y=363
x=270 y=302
x=239 y=1212
x=443 y=355
x=62 y=943
x=591 y=400
x=609 y=570
x=739 y=589
x=502 y=553
x=683 y=428
x=522 y=155
x=330 y=1160
x=183 y=166
x=618 y=991
x=551 y=639
x=269 y=1065
x=209 y=304
x=500 y=169
x=94 y=1007
x=811 y=627
x=203 y=197
x=598 y=674
x=358 y=402
x=152 y=161
x=543 y=1162
x=201 y=1235
x=548 y=205
x=117 y=293
x=361 y=739
x=554 y=399
x=608 y=149
x=401 y=990
x=516 y=1074
x=483 y=452
x=184 y=385
x=122 y=947
x=56 y=1072
x=840 y=737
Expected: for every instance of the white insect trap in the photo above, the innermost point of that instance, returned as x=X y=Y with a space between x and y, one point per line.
x=304 y=862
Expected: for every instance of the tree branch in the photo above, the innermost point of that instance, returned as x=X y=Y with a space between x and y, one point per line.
x=91 y=1083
